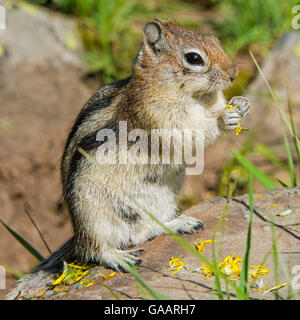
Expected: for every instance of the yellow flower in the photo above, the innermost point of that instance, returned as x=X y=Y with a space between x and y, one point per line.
x=62 y=276
x=259 y=195
x=228 y=107
x=200 y=244
x=89 y=284
x=176 y=264
x=230 y=265
x=110 y=275
x=258 y=270
x=41 y=293
x=276 y=288
x=72 y=273
x=206 y=270
x=60 y=288
x=259 y=285
x=239 y=128
x=273 y=205
x=86 y=283
x=2 y=51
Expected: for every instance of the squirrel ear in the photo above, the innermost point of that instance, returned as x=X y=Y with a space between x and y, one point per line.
x=153 y=36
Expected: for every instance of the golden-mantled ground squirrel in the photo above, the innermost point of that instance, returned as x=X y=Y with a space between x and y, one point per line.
x=177 y=82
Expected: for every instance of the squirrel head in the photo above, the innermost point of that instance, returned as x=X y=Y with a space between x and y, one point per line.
x=184 y=59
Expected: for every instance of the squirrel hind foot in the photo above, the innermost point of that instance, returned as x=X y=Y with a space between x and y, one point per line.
x=120 y=260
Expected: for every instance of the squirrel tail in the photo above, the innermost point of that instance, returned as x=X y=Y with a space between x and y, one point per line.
x=39 y=276
x=54 y=263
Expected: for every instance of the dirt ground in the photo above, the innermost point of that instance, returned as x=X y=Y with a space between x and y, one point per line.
x=37 y=111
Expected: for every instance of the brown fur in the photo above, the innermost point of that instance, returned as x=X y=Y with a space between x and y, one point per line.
x=163 y=92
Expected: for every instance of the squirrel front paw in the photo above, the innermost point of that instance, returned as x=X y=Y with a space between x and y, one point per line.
x=184 y=224
x=239 y=109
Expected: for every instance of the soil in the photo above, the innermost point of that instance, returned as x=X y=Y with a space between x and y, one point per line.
x=37 y=117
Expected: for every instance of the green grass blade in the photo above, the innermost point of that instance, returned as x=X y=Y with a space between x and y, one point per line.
x=13 y=271
x=38 y=230
x=155 y=294
x=290 y=125
x=273 y=94
x=23 y=242
x=142 y=290
x=245 y=267
x=140 y=282
x=215 y=263
x=259 y=175
x=270 y=155
x=275 y=257
x=111 y=292
x=295 y=138
x=217 y=227
x=282 y=183
x=290 y=157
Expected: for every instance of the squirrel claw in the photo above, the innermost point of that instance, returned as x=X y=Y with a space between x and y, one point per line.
x=184 y=224
x=232 y=116
x=135 y=252
x=122 y=260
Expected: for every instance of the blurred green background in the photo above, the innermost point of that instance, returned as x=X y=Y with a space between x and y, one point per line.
x=111 y=34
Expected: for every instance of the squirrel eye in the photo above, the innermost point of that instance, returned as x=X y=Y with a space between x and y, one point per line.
x=194 y=58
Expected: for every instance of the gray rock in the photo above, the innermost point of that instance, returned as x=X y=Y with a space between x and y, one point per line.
x=35 y=36
x=230 y=238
